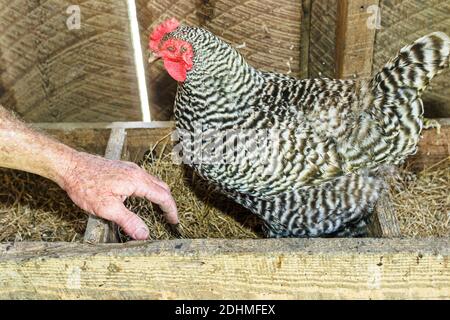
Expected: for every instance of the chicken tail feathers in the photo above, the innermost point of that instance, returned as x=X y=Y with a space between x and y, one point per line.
x=394 y=98
x=415 y=66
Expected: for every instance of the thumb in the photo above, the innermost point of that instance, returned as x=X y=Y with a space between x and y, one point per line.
x=131 y=224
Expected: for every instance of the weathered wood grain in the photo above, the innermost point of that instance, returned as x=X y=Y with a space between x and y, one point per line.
x=99 y=230
x=354 y=39
x=227 y=269
x=404 y=21
x=322 y=52
x=305 y=29
x=77 y=126
x=53 y=74
x=90 y=140
x=433 y=148
x=386 y=218
x=267 y=33
x=140 y=141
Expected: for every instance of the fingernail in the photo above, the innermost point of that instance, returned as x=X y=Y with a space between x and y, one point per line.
x=141 y=234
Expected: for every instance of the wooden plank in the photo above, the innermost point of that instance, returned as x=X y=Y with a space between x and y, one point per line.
x=386 y=218
x=88 y=140
x=115 y=144
x=69 y=126
x=53 y=73
x=433 y=148
x=404 y=21
x=140 y=141
x=97 y=229
x=322 y=51
x=305 y=30
x=228 y=269
x=354 y=39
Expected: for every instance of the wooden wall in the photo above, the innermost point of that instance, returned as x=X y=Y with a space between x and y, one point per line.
x=269 y=33
x=366 y=51
x=322 y=47
x=313 y=38
x=49 y=73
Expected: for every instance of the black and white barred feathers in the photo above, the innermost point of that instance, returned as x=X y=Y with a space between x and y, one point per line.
x=320 y=178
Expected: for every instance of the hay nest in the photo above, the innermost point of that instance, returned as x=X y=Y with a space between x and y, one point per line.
x=422 y=201
x=203 y=212
x=35 y=209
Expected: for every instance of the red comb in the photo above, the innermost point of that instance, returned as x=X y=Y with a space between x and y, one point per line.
x=161 y=30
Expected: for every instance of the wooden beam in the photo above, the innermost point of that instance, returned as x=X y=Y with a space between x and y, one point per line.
x=305 y=38
x=228 y=269
x=97 y=229
x=69 y=126
x=322 y=46
x=386 y=221
x=354 y=38
x=434 y=147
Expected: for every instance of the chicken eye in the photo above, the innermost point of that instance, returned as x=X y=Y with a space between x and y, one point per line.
x=183 y=49
x=171 y=49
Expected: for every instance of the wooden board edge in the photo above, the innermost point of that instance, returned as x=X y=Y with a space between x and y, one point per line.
x=97 y=229
x=386 y=217
x=305 y=37
x=104 y=125
x=354 y=39
x=23 y=251
x=229 y=269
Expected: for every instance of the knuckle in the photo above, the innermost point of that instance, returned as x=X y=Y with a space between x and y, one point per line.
x=134 y=166
x=165 y=186
x=124 y=219
x=128 y=219
x=166 y=198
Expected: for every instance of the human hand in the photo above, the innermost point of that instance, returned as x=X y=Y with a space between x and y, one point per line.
x=100 y=186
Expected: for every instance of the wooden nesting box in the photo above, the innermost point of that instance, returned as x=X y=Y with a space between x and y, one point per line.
x=384 y=266
x=307 y=38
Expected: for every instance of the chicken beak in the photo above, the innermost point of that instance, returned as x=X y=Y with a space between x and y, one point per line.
x=153 y=58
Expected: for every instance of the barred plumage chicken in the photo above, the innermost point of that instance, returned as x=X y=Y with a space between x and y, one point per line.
x=319 y=175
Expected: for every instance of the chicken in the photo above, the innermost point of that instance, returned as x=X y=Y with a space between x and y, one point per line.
x=303 y=155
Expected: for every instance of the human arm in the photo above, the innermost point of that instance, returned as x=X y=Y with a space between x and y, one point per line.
x=97 y=185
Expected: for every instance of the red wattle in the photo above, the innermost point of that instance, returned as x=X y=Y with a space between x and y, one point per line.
x=177 y=70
